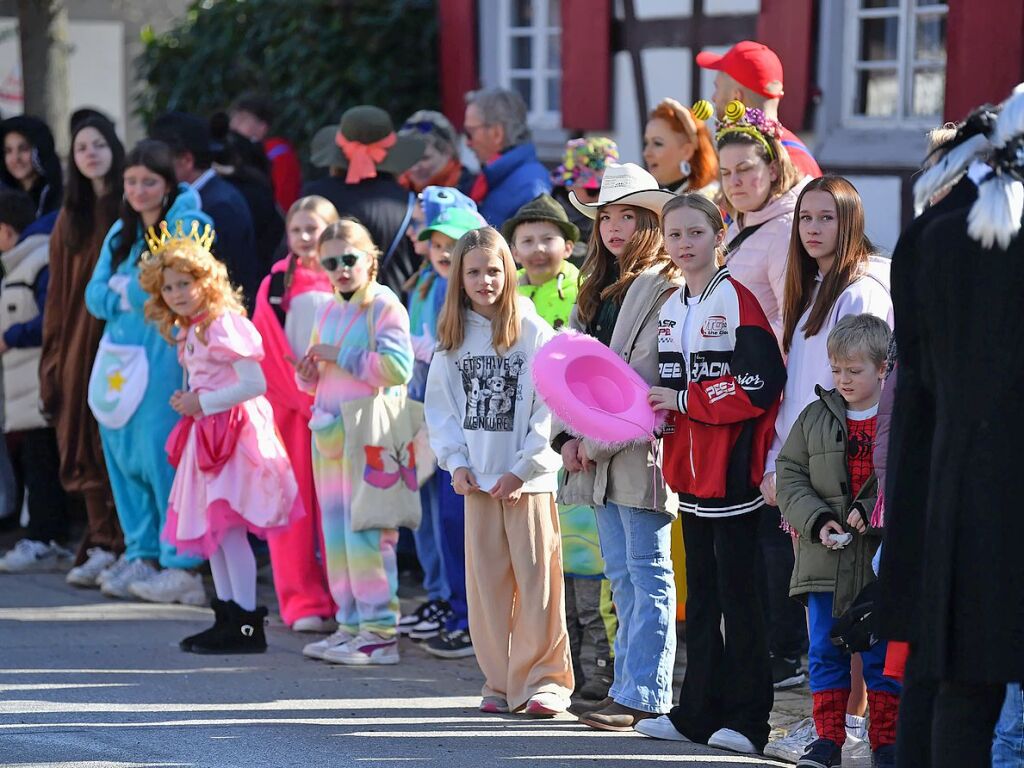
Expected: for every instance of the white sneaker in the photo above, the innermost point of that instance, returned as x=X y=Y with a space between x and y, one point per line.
x=365 y=648
x=112 y=570
x=314 y=624
x=792 y=746
x=30 y=556
x=734 y=741
x=856 y=749
x=659 y=728
x=320 y=647
x=171 y=585
x=86 y=574
x=119 y=585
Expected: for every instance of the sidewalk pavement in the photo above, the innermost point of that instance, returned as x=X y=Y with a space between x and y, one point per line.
x=88 y=681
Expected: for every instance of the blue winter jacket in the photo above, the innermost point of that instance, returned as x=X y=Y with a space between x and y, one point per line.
x=513 y=179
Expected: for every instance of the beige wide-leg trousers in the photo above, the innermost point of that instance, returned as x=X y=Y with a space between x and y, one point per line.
x=516 y=597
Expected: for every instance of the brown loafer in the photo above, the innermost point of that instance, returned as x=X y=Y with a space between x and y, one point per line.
x=615 y=717
x=582 y=708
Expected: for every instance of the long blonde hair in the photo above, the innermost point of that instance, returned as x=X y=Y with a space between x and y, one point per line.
x=451 y=329
x=189 y=258
x=320 y=207
x=355 y=234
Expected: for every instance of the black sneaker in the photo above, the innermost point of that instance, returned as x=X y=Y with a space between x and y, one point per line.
x=432 y=620
x=823 y=753
x=407 y=622
x=787 y=672
x=596 y=687
x=450 y=645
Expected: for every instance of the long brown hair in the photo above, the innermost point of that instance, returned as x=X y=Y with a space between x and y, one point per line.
x=704 y=163
x=645 y=249
x=451 y=328
x=786 y=174
x=853 y=249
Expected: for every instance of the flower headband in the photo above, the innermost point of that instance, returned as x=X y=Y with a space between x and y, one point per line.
x=585 y=162
x=740 y=119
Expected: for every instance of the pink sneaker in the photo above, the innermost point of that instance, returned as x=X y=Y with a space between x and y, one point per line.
x=494 y=705
x=545 y=704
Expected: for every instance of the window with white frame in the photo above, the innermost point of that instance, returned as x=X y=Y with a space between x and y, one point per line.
x=530 y=57
x=896 y=61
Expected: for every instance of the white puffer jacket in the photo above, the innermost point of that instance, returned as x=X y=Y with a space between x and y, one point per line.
x=760 y=261
x=22 y=265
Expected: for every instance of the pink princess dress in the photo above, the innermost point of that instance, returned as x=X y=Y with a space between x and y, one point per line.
x=248 y=481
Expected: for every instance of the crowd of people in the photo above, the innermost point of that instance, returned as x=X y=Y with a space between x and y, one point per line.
x=203 y=348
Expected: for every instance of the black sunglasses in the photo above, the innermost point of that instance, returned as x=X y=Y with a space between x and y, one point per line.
x=331 y=263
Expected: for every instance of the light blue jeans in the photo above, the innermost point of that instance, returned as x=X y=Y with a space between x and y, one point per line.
x=1008 y=745
x=636 y=544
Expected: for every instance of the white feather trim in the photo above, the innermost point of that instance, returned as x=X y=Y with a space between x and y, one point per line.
x=996 y=216
x=947 y=170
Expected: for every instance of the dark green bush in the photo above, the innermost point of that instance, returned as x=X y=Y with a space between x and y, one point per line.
x=315 y=58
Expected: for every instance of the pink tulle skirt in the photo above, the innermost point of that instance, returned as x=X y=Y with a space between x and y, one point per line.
x=255 y=488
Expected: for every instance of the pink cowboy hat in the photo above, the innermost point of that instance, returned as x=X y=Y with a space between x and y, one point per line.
x=593 y=391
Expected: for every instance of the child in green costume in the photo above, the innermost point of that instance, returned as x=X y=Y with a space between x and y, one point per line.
x=541 y=237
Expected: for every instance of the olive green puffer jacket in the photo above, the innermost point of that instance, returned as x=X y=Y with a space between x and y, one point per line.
x=813 y=480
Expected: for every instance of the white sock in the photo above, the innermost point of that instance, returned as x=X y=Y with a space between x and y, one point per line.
x=221 y=577
x=855 y=722
x=240 y=565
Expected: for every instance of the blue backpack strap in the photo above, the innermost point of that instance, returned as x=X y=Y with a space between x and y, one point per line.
x=401 y=231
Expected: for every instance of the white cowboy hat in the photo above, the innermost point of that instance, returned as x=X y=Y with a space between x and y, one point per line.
x=626 y=184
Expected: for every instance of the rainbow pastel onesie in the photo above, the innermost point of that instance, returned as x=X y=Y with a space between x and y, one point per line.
x=362 y=569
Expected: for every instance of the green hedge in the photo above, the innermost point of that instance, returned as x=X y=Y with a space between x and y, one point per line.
x=315 y=58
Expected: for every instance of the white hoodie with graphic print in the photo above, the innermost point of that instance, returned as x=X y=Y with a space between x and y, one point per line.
x=482 y=411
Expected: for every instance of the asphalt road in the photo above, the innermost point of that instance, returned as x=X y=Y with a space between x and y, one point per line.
x=86 y=681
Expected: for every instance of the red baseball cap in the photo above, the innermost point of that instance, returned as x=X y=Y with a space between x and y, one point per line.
x=752 y=65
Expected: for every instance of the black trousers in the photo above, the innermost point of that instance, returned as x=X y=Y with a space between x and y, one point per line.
x=728 y=681
x=945 y=724
x=36 y=463
x=785 y=617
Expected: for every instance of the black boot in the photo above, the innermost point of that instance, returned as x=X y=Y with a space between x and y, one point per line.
x=599 y=681
x=220 y=624
x=242 y=634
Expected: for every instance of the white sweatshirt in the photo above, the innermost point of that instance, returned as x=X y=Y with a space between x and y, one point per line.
x=807 y=364
x=483 y=413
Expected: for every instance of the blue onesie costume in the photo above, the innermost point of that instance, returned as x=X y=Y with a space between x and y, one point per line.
x=135 y=374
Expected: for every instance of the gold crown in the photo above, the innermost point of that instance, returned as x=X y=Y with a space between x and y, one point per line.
x=159 y=242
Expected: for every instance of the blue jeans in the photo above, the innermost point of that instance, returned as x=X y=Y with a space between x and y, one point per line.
x=428 y=544
x=1008 y=746
x=828 y=665
x=635 y=544
x=452 y=544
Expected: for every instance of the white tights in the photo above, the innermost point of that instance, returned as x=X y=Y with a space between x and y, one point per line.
x=234 y=569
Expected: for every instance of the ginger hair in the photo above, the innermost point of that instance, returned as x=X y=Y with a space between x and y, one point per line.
x=189 y=258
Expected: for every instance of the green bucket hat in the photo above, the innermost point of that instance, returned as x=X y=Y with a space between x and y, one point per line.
x=542 y=208
x=454 y=222
x=366 y=125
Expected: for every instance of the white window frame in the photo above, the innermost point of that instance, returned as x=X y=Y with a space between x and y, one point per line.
x=906 y=12
x=539 y=72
